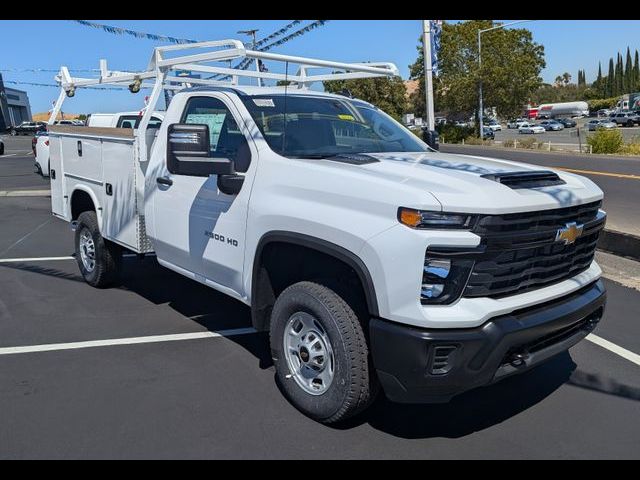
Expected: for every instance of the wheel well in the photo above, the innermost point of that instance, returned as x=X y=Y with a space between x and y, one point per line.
x=281 y=263
x=81 y=202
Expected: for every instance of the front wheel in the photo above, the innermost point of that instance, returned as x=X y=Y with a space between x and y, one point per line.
x=320 y=353
x=98 y=259
x=13 y=133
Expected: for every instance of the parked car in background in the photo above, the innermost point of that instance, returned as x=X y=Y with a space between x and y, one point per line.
x=595 y=124
x=26 y=128
x=551 y=125
x=517 y=122
x=567 y=122
x=604 y=112
x=531 y=128
x=626 y=119
x=494 y=125
x=40 y=146
x=488 y=133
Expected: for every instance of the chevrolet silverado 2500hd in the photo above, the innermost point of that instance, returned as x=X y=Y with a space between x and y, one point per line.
x=372 y=260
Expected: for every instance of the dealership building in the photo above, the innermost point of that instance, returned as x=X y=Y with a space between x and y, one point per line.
x=14 y=106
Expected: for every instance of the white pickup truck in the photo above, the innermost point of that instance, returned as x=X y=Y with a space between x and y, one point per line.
x=372 y=260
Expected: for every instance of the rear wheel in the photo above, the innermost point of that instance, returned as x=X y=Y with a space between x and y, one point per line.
x=98 y=259
x=320 y=353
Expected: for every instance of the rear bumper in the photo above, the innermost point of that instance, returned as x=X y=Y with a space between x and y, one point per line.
x=431 y=366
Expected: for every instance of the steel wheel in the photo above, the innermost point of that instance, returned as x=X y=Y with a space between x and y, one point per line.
x=309 y=354
x=87 y=250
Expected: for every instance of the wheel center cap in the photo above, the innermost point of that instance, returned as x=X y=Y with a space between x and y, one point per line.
x=304 y=354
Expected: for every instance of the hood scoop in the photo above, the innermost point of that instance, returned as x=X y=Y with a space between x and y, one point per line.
x=353 y=158
x=531 y=179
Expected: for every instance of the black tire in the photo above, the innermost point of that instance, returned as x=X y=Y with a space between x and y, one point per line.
x=629 y=124
x=1 y=148
x=107 y=257
x=354 y=385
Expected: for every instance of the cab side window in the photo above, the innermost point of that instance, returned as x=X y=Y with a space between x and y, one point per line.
x=226 y=140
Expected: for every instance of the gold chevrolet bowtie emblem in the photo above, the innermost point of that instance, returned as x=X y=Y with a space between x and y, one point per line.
x=569 y=233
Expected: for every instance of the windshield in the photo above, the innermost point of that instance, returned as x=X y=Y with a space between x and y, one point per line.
x=320 y=127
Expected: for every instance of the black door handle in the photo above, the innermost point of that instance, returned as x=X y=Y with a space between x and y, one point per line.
x=164 y=181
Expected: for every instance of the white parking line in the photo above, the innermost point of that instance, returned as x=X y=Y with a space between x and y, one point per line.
x=8 y=155
x=612 y=347
x=125 y=341
x=34 y=259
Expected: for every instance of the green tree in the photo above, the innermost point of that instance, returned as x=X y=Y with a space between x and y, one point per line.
x=628 y=71
x=388 y=94
x=511 y=66
x=598 y=84
x=611 y=79
x=619 y=85
x=636 y=73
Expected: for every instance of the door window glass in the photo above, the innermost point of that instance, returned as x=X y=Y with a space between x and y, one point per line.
x=225 y=138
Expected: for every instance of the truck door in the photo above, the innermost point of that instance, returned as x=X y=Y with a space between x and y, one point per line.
x=197 y=227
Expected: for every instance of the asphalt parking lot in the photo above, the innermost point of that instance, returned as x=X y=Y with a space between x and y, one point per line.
x=206 y=389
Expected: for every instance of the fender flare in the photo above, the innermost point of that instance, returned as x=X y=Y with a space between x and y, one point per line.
x=336 y=251
x=94 y=199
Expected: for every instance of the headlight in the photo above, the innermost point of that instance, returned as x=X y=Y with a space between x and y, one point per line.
x=422 y=219
x=443 y=279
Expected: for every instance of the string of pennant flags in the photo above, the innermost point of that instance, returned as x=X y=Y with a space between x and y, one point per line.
x=38 y=84
x=48 y=70
x=134 y=33
x=262 y=45
x=244 y=64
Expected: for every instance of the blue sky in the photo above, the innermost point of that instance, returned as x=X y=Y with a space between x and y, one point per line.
x=569 y=46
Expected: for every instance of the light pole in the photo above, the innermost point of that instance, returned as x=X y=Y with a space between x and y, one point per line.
x=252 y=33
x=480 y=32
x=428 y=74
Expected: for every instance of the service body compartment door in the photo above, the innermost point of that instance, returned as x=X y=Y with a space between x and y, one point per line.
x=119 y=222
x=58 y=203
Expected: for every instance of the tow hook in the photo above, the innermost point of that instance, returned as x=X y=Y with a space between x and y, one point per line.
x=74 y=225
x=518 y=359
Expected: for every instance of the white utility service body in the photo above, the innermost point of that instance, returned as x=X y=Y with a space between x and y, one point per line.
x=462 y=270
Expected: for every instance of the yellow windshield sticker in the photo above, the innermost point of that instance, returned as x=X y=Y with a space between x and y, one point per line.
x=347 y=117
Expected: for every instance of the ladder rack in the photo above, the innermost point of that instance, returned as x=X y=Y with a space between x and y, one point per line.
x=162 y=70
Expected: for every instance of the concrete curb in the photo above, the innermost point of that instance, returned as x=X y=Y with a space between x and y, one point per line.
x=25 y=193
x=619 y=243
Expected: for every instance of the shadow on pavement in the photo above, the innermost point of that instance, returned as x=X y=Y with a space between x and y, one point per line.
x=599 y=383
x=211 y=309
x=472 y=411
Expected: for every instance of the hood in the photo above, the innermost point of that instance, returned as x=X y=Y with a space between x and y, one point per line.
x=456 y=182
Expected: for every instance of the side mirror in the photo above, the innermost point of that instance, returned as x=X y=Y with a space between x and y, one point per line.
x=188 y=152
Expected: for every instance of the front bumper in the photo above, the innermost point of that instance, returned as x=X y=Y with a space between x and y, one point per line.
x=433 y=365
